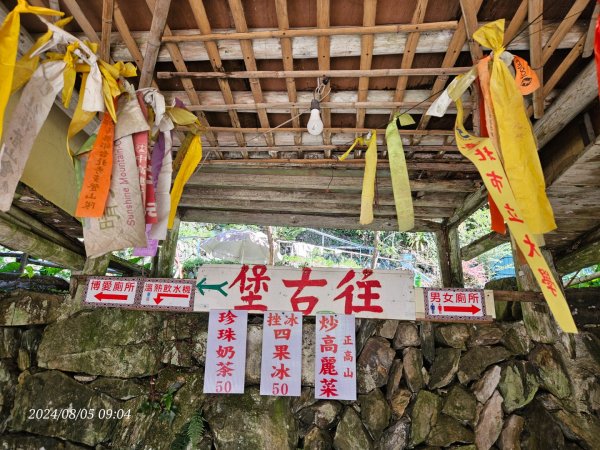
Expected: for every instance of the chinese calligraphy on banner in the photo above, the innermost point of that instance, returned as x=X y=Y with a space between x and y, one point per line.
x=335 y=357
x=224 y=370
x=364 y=293
x=281 y=366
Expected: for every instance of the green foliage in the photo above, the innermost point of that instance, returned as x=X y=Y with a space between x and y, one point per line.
x=191 y=433
x=28 y=272
x=165 y=404
x=11 y=267
x=591 y=283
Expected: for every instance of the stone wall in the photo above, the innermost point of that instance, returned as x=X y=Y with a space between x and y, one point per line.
x=508 y=385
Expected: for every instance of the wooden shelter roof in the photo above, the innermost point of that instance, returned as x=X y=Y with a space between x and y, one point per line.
x=249 y=70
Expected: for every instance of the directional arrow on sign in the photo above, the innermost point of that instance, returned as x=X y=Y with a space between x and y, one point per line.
x=211 y=287
x=160 y=297
x=464 y=309
x=102 y=296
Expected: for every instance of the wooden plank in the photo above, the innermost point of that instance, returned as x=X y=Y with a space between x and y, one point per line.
x=159 y=21
x=482 y=245
x=469 y=10
x=180 y=65
x=126 y=35
x=299 y=220
x=332 y=129
x=340 y=45
x=286 y=33
x=535 y=16
x=449 y=257
x=366 y=57
x=299 y=149
x=314 y=208
x=168 y=251
x=450 y=199
x=288 y=64
x=472 y=203
x=107 y=20
x=256 y=74
x=408 y=55
x=239 y=19
x=588 y=48
x=569 y=20
x=323 y=57
x=514 y=26
x=319 y=183
x=569 y=103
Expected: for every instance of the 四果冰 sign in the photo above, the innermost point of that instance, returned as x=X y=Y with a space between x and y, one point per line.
x=365 y=293
x=281 y=364
x=455 y=304
x=158 y=294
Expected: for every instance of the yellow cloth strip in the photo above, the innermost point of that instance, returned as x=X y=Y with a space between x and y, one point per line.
x=9 y=45
x=189 y=165
x=358 y=141
x=368 y=187
x=517 y=143
x=399 y=173
x=25 y=66
x=483 y=153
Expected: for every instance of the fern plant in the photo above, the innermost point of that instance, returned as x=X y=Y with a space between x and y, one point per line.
x=191 y=433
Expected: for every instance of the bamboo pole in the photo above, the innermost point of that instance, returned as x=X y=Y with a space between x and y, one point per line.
x=319 y=32
x=423 y=72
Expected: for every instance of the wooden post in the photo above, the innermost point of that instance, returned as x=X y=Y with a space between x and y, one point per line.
x=375 y=251
x=159 y=20
x=271 y=261
x=107 y=20
x=449 y=256
x=167 y=252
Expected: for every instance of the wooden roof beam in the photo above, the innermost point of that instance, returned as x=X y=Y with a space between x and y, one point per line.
x=482 y=245
x=331 y=148
x=323 y=55
x=82 y=20
x=180 y=65
x=300 y=220
x=255 y=74
x=591 y=33
x=107 y=21
x=366 y=58
x=469 y=10
x=212 y=49
x=517 y=20
x=331 y=130
x=408 y=55
x=160 y=11
x=563 y=28
x=288 y=64
x=287 y=33
x=536 y=23
x=237 y=10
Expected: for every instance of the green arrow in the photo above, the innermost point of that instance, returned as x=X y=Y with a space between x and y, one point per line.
x=213 y=287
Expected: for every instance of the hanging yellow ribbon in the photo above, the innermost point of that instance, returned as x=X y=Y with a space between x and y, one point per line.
x=9 y=45
x=188 y=166
x=483 y=153
x=399 y=173
x=517 y=143
x=25 y=66
x=110 y=84
x=368 y=188
x=358 y=141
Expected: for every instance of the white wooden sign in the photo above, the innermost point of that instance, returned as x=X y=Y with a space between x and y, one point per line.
x=335 y=357
x=167 y=293
x=454 y=304
x=281 y=366
x=110 y=291
x=379 y=294
x=224 y=370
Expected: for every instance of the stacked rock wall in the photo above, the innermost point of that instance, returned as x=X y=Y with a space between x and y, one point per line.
x=507 y=385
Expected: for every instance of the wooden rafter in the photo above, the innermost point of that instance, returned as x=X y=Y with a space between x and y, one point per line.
x=563 y=28
x=323 y=55
x=516 y=21
x=288 y=64
x=237 y=10
x=469 y=10
x=454 y=48
x=591 y=33
x=82 y=20
x=366 y=57
x=107 y=21
x=160 y=11
x=566 y=63
x=408 y=55
x=203 y=24
x=535 y=13
x=188 y=85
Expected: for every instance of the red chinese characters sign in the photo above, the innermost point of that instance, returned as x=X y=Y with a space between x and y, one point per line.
x=259 y=288
x=224 y=370
x=454 y=305
x=281 y=365
x=335 y=357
